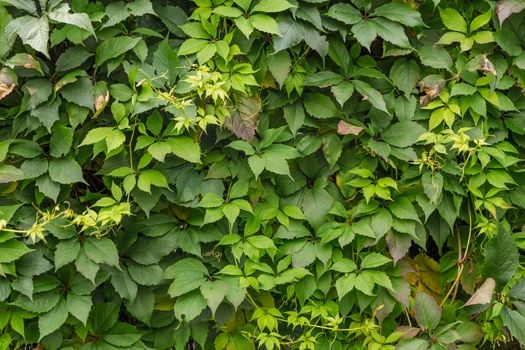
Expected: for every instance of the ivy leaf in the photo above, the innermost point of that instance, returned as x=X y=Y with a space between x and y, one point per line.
x=122 y=334
x=403 y=134
x=72 y=58
x=79 y=306
x=501 y=258
x=345 y=13
x=426 y=311
x=435 y=57
x=9 y=173
x=51 y=321
x=453 y=20
x=61 y=14
x=65 y=171
x=185 y=148
x=114 y=47
x=28 y=6
x=515 y=322
x=316 y=205
x=214 y=293
x=405 y=74
x=101 y=251
x=269 y=6
x=320 y=106
x=279 y=65
x=400 y=12
x=33 y=32
x=371 y=95
x=37 y=91
x=12 y=250
x=189 y=306
x=391 y=32
x=66 y=252
x=264 y=23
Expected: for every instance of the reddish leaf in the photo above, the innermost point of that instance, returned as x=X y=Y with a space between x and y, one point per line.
x=344 y=128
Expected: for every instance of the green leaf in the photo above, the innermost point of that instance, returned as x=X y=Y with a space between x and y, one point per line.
x=61 y=14
x=80 y=92
x=403 y=134
x=122 y=334
x=432 y=186
x=33 y=32
x=51 y=321
x=435 y=57
x=146 y=275
x=399 y=12
x=320 y=106
x=316 y=205
x=101 y=251
x=426 y=311
x=391 y=32
x=515 y=322
x=345 y=13
x=279 y=65
x=294 y=115
x=65 y=171
x=185 y=148
x=381 y=222
x=79 y=306
x=189 y=306
x=501 y=258
x=37 y=91
x=480 y=21
x=264 y=23
x=405 y=74
x=372 y=95
x=214 y=293
x=28 y=6
x=191 y=46
x=12 y=250
x=227 y=11
x=61 y=141
x=66 y=252
x=268 y=6
x=114 y=47
x=453 y=20
x=124 y=285
x=116 y=13
x=9 y=173
x=140 y=8
x=403 y=208
x=372 y=260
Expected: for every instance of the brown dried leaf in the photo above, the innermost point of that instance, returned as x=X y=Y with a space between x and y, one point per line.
x=505 y=8
x=7 y=82
x=244 y=117
x=101 y=98
x=431 y=87
x=344 y=128
x=484 y=293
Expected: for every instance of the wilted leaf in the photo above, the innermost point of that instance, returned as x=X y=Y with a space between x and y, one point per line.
x=505 y=8
x=484 y=293
x=8 y=81
x=431 y=86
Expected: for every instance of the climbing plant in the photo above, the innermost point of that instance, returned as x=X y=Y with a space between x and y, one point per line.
x=262 y=174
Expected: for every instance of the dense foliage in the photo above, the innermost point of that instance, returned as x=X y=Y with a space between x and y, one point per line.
x=241 y=174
